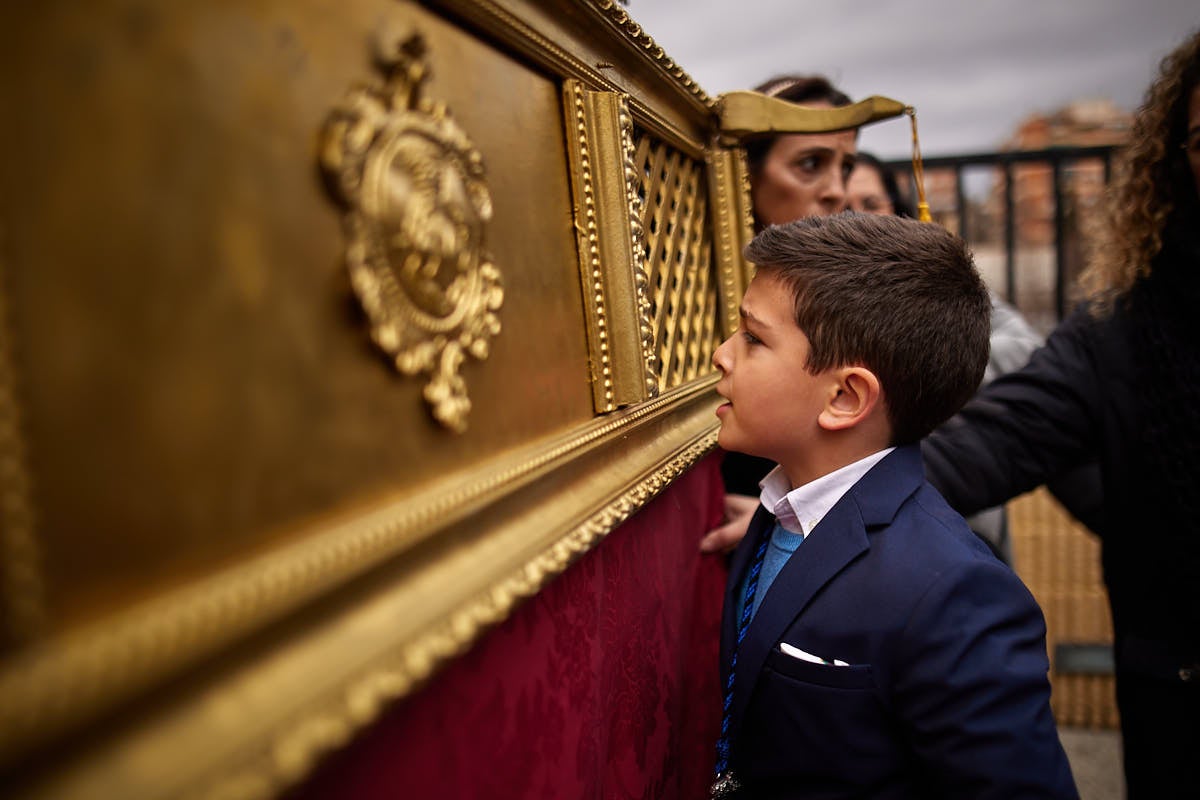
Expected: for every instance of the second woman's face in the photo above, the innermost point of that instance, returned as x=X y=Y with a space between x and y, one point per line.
x=866 y=193
x=803 y=175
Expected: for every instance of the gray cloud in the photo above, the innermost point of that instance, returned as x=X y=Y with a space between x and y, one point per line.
x=972 y=68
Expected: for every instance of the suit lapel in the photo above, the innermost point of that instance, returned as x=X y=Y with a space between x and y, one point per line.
x=834 y=543
x=838 y=539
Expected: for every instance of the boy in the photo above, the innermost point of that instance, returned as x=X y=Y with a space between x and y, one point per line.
x=892 y=656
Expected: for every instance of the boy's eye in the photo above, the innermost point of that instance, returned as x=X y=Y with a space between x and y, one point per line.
x=750 y=338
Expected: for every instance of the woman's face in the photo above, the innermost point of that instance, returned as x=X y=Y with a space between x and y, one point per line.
x=803 y=175
x=866 y=193
x=1192 y=142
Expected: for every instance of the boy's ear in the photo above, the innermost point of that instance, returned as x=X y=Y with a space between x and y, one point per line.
x=854 y=395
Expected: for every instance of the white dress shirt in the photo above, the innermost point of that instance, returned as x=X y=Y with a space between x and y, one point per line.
x=799 y=510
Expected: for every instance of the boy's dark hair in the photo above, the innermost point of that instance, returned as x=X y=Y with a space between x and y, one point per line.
x=899 y=297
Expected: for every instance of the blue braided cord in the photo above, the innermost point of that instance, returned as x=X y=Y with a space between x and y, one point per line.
x=743 y=624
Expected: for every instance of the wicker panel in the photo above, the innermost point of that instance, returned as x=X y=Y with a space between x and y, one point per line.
x=679 y=261
x=1059 y=560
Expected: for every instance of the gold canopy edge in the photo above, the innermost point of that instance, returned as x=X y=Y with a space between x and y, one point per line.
x=744 y=113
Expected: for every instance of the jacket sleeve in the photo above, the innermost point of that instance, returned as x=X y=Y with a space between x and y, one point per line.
x=1024 y=428
x=1080 y=492
x=1012 y=342
x=971 y=688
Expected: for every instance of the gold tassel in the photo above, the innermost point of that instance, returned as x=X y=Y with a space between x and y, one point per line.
x=918 y=169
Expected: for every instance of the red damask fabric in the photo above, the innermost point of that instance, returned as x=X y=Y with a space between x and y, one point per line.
x=604 y=685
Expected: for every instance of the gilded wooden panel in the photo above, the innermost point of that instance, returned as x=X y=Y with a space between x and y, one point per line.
x=299 y=384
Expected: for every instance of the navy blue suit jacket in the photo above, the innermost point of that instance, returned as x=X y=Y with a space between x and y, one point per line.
x=945 y=693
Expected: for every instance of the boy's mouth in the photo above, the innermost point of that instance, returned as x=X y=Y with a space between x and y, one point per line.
x=725 y=406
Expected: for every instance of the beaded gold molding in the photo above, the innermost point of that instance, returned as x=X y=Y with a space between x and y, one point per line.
x=611 y=247
x=620 y=17
x=416 y=206
x=21 y=590
x=729 y=187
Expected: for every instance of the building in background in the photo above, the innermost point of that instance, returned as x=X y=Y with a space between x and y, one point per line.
x=1083 y=123
x=981 y=198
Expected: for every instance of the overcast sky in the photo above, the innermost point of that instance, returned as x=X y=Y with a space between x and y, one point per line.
x=972 y=68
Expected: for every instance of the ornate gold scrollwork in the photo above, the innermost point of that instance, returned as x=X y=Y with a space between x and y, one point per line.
x=412 y=184
x=641 y=278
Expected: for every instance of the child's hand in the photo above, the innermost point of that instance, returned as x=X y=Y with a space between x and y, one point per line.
x=739 y=508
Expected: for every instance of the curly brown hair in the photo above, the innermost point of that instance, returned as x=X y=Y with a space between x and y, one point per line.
x=1148 y=181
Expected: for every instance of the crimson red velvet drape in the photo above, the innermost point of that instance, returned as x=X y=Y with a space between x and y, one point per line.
x=604 y=685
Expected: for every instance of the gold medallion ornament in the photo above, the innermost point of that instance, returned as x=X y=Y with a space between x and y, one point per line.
x=412 y=184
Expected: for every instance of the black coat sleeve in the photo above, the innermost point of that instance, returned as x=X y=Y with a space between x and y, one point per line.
x=1025 y=428
x=1079 y=492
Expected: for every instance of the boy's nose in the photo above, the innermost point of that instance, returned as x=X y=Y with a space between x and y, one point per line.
x=720 y=357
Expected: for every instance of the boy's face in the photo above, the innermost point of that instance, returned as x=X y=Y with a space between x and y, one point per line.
x=772 y=402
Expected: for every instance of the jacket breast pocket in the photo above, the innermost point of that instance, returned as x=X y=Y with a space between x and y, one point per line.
x=821 y=720
x=854 y=676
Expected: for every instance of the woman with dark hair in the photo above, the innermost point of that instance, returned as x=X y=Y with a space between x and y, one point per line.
x=1119 y=382
x=794 y=175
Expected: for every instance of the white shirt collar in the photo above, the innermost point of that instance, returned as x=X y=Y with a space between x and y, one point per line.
x=800 y=509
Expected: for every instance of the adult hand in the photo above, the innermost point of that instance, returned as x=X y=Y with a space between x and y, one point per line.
x=739 y=508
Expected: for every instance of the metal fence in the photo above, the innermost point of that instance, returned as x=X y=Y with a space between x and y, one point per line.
x=1006 y=168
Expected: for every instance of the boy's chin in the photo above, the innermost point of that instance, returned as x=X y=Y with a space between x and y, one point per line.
x=723 y=439
x=729 y=443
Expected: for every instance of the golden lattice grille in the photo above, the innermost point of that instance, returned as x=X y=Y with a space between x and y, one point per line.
x=678 y=261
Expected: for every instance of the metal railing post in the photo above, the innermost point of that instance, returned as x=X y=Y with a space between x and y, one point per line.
x=1010 y=243
x=1060 y=260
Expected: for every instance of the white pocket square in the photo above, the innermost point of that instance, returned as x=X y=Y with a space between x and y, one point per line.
x=796 y=652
